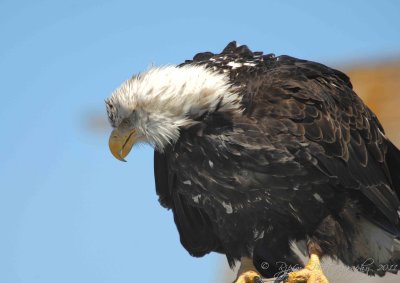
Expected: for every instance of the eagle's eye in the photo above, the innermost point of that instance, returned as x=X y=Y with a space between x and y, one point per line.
x=125 y=123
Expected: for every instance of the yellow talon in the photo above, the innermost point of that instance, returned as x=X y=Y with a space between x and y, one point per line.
x=312 y=273
x=247 y=272
x=249 y=277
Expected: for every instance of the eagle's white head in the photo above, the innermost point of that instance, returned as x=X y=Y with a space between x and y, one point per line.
x=155 y=105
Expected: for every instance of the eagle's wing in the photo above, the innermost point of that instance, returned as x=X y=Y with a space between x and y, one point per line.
x=355 y=153
x=194 y=225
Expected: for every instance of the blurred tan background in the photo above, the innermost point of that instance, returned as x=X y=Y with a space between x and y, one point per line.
x=379 y=86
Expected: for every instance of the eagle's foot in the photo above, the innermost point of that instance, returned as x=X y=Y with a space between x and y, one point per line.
x=249 y=277
x=247 y=272
x=312 y=273
x=306 y=276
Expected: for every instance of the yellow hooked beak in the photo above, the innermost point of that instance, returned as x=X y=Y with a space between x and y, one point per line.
x=121 y=143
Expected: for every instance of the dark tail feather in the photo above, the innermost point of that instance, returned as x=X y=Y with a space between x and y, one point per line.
x=393 y=162
x=272 y=262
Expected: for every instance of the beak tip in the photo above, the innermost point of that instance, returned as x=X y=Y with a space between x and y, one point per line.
x=121 y=144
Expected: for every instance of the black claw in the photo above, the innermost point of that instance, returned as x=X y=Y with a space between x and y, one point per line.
x=257 y=280
x=282 y=278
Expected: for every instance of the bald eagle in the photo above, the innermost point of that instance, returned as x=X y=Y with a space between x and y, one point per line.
x=255 y=153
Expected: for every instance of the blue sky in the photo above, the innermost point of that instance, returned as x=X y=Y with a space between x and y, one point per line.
x=69 y=212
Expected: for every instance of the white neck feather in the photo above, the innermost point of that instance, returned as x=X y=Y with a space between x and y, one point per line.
x=165 y=98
